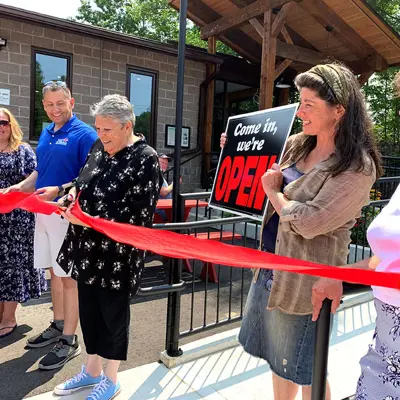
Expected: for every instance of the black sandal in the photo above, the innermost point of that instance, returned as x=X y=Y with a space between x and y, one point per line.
x=9 y=333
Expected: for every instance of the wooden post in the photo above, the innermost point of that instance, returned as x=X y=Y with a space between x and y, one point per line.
x=208 y=131
x=267 y=63
x=283 y=97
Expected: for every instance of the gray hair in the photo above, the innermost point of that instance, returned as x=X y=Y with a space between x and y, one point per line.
x=115 y=106
x=56 y=86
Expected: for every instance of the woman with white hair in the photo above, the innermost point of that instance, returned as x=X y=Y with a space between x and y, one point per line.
x=119 y=182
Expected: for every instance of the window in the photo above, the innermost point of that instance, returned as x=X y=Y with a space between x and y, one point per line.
x=46 y=66
x=230 y=99
x=142 y=95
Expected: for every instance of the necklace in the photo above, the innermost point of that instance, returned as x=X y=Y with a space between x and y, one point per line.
x=5 y=148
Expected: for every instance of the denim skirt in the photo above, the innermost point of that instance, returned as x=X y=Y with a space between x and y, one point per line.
x=285 y=341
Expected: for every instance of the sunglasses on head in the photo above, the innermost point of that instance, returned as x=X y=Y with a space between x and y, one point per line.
x=4 y=123
x=56 y=83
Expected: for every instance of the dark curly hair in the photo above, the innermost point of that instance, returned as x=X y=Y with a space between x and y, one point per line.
x=354 y=134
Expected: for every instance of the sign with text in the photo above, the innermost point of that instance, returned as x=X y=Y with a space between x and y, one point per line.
x=5 y=97
x=255 y=141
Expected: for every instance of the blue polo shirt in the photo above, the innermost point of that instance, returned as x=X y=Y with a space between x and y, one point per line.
x=62 y=154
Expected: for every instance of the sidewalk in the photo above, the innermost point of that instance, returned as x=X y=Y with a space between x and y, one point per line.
x=232 y=374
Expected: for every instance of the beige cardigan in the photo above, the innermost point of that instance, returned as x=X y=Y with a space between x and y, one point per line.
x=315 y=225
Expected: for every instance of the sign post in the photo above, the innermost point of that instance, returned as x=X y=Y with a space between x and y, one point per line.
x=255 y=141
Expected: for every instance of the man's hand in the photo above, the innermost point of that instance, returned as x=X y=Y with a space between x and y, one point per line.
x=326 y=288
x=48 y=193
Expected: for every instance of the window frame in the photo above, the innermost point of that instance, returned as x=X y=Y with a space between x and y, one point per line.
x=152 y=139
x=46 y=52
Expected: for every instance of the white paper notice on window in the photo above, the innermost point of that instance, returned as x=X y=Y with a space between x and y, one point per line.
x=5 y=97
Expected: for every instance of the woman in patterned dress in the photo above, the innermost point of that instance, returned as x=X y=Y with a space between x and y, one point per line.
x=119 y=182
x=19 y=281
x=380 y=367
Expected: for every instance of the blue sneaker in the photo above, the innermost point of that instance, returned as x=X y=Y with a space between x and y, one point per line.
x=79 y=382
x=105 y=390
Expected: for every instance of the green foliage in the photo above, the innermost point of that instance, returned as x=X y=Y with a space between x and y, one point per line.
x=40 y=114
x=389 y=10
x=143 y=122
x=359 y=231
x=383 y=105
x=385 y=108
x=151 y=19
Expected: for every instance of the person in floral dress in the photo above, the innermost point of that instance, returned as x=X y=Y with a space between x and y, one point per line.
x=380 y=367
x=19 y=281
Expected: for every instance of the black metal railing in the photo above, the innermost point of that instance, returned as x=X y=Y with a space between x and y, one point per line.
x=205 y=296
x=391 y=165
x=384 y=188
x=214 y=295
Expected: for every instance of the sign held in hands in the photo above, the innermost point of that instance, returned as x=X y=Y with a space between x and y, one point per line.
x=255 y=141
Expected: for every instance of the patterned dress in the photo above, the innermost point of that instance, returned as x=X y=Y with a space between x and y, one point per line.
x=380 y=367
x=19 y=281
x=123 y=188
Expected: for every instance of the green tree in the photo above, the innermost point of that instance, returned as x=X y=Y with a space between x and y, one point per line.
x=143 y=122
x=40 y=114
x=151 y=19
x=389 y=10
x=383 y=105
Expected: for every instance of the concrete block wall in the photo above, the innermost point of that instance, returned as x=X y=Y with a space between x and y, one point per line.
x=15 y=74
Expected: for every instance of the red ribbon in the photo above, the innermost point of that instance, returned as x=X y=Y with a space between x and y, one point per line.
x=177 y=245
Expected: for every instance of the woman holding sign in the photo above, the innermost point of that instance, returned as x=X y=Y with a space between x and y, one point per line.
x=315 y=196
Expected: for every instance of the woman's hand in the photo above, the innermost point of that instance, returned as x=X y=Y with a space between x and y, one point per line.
x=222 y=140
x=325 y=288
x=272 y=180
x=71 y=218
x=67 y=201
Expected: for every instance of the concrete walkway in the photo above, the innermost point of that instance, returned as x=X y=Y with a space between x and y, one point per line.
x=232 y=374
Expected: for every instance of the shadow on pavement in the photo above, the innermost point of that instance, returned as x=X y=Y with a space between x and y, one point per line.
x=21 y=373
x=16 y=336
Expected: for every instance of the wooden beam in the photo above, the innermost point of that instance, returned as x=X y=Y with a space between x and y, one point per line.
x=260 y=29
x=240 y=16
x=201 y=14
x=283 y=99
x=377 y=63
x=363 y=78
x=212 y=49
x=268 y=63
x=281 y=67
x=257 y=25
x=297 y=53
x=374 y=17
x=281 y=18
x=325 y=16
x=286 y=35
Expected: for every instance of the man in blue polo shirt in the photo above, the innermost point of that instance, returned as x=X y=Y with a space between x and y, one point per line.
x=61 y=153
